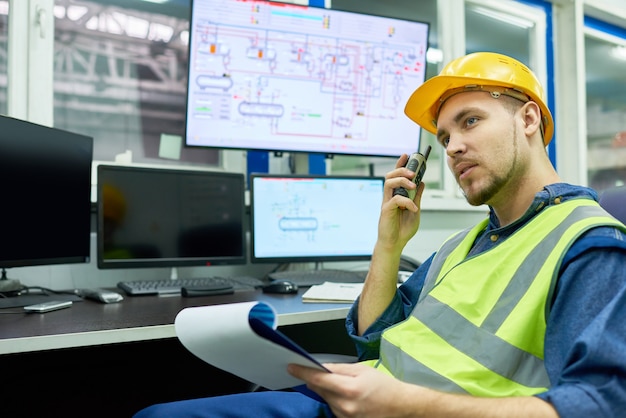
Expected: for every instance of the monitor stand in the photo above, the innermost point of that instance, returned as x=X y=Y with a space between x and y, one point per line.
x=9 y=287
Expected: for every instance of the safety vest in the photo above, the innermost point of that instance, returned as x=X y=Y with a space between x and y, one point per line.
x=479 y=324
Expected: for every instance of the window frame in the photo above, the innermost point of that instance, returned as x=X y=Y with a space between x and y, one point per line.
x=29 y=87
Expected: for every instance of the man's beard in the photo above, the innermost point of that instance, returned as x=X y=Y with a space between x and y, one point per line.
x=489 y=191
x=497 y=182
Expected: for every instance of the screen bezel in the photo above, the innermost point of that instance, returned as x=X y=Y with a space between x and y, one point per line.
x=327 y=150
x=301 y=258
x=82 y=145
x=170 y=261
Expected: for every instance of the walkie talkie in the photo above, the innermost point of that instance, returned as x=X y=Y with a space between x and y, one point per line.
x=417 y=164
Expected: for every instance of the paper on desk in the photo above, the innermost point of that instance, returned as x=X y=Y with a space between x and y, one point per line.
x=242 y=339
x=330 y=292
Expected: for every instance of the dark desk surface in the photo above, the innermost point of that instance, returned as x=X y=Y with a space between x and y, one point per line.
x=138 y=318
x=54 y=364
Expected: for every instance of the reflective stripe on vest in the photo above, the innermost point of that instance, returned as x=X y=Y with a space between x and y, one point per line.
x=484 y=335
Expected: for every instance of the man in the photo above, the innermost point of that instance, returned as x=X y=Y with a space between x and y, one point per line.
x=522 y=315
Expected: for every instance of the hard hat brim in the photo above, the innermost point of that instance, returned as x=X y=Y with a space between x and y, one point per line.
x=424 y=103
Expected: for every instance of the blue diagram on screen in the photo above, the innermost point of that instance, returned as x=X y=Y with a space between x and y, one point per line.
x=315 y=216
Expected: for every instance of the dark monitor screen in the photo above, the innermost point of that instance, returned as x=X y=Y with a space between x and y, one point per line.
x=300 y=218
x=161 y=217
x=46 y=203
x=282 y=77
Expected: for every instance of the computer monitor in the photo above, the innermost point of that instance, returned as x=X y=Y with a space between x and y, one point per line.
x=46 y=186
x=169 y=217
x=302 y=218
x=272 y=76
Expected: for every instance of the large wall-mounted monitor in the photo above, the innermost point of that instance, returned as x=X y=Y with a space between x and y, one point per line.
x=282 y=77
x=46 y=186
x=307 y=218
x=166 y=217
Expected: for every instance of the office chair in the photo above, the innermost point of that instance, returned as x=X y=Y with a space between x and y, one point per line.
x=613 y=200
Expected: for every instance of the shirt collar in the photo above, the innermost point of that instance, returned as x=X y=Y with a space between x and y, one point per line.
x=551 y=194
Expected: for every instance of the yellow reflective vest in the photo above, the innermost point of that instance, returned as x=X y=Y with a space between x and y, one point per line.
x=479 y=325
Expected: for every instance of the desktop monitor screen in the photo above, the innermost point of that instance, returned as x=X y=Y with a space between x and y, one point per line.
x=279 y=77
x=46 y=186
x=161 y=217
x=301 y=218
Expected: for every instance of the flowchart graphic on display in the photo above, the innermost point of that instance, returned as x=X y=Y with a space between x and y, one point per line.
x=263 y=71
x=316 y=216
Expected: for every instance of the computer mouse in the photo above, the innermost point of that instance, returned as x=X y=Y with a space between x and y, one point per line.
x=100 y=295
x=281 y=286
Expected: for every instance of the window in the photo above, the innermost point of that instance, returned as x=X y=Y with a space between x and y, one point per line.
x=120 y=76
x=497 y=30
x=4 y=31
x=605 y=60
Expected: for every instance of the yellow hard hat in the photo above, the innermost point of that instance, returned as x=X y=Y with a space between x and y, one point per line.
x=487 y=71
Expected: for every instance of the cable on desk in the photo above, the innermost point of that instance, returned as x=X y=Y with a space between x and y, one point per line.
x=12 y=293
x=31 y=291
x=28 y=290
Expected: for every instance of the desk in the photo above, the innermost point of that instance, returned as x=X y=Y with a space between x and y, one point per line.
x=110 y=360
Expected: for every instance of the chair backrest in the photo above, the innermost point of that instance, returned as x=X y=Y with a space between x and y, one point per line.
x=613 y=200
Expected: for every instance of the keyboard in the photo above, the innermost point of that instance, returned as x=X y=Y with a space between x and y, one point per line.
x=165 y=287
x=313 y=277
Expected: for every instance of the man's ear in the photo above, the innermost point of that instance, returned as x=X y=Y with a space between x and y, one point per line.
x=531 y=114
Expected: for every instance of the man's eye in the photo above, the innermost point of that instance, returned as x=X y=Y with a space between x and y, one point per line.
x=445 y=141
x=471 y=121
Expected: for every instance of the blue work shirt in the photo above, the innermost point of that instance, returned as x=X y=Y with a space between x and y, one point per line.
x=585 y=344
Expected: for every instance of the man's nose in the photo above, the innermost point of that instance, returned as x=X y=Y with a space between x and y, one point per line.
x=455 y=145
